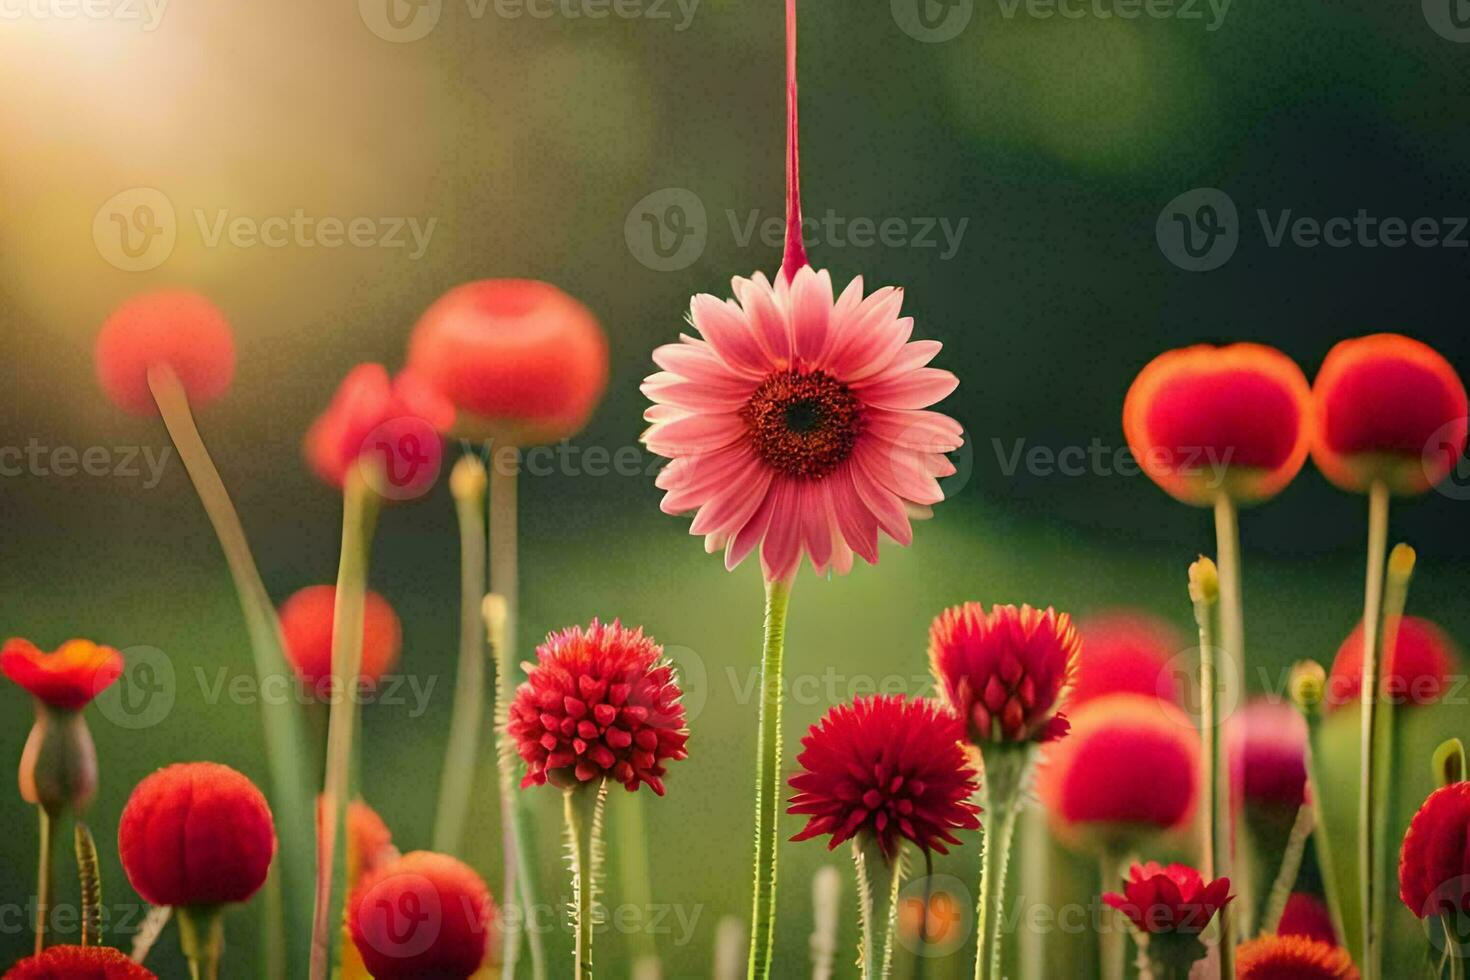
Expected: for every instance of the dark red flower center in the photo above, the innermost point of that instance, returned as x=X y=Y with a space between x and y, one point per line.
x=803 y=425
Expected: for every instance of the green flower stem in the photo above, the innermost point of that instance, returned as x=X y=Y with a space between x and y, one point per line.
x=1369 y=912
x=1170 y=955
x=876 y=876
x=202 y=938
x=1235 y=918
x=1113 y=940
x=91 y=885
x=291 y=796
x=359 y=516
x=633 y=874
x=1308 y=683
x=1291 y=865
x=582 y=807
x=1006 y=770
x=1205 y=589
x=768 y=784
x=467 y=483
x=1395 y=599
x=43 y=879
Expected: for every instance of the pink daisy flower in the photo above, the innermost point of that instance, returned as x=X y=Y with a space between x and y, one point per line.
x=796 y=423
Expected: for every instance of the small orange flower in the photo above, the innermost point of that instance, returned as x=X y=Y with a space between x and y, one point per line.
x=1292 y=958
x=1204 y=421
x=1390 y=409
x=69 y=678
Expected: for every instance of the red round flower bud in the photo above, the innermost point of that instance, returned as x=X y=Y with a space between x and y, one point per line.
x=79 y=963
x=392 y=425
x=1268 y=755
x=1204 y=421
x=196 y=833
x=69 y=678
x=1004 y=673
x=1390 y=409
x=1434 y=861
x=1158 y=899
x=1128 y=769
x=306 y=624
x=522 y=362
x=1416 y=672
x=600 y=703
x=1307 y=915
x=886 y=769
x=1292 y=958
x=423 y=915
x=177 y=329
x=1126 y=652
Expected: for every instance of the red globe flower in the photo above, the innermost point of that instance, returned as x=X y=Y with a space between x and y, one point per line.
x=1169 y=899
x=196 y=833
x=1203 y=420
x=79 y=963
x=886 y=769
x=1417 y=672
x=1005 y=673
x=1268 y=755
x=599 y=703
x=395 y=424
x=1434 y=861
x=1292 y=958
x=1128 y=769
x=69 y=678
x=423 y=915
x=1388 y=409
x=1126 y=652
x=179 y=330
x=306 y=624
x=522 y=362
x=1307 y=915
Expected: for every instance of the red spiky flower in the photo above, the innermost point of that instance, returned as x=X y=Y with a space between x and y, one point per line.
x=1005 y=673
x=1292 y=958
x=1174 y=898
x=1417 y=672
x=1390 y=409
x=79 y=963
x=423 y=915
x=888 y=769
x=600 y=702
x=1435 y=856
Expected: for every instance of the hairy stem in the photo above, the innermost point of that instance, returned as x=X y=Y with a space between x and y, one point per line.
x=582 y=808
x=768 y=784
x=1006 y=771
x=91 y=885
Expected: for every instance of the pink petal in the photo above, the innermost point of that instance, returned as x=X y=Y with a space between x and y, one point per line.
x=912 y=356
x=868 y=339
x=881 y=502
x=928 y=432
x=855 y=520
x=730 y=333
x=744 y=540
x=731 y=507
x=691 y=358
x=694 y=434
x=816 y=526
x=811 y=307
x=917 y=389
x=705 y=395
x=781 y=551
x=899 y=470
x=766 y=316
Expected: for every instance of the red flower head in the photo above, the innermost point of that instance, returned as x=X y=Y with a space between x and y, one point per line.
x=79 y=963
x=1292 y=958
x=1434 y=862
x=196 y=833
x=1128 y=769
x=423 y=915
x=1005 y=673
x=1126 y=652
x=1169 y=899
x=69 y=678
x=1206 y=420
x=395 y=424
x=1417 y=672
x=522 y=362
x=179 y=330
x=306 y=623
x=797 y=423
x=1307 y=915
x=885 y=768
x=1268 y=755
x=599 y=703
x=369 y=841
x=1388 y=408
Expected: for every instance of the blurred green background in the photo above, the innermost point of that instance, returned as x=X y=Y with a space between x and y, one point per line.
x=529 y=142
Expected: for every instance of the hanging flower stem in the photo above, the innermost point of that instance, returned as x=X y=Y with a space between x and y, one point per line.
x=291 y=797
x=43 y=879
x=1204 y=594
x=795 y=254
x=583 y=808
x=768 y=783
x=202 y=937
x=359 y=516
x=1006 y=770
x=467 y=484
x=1368 y=770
